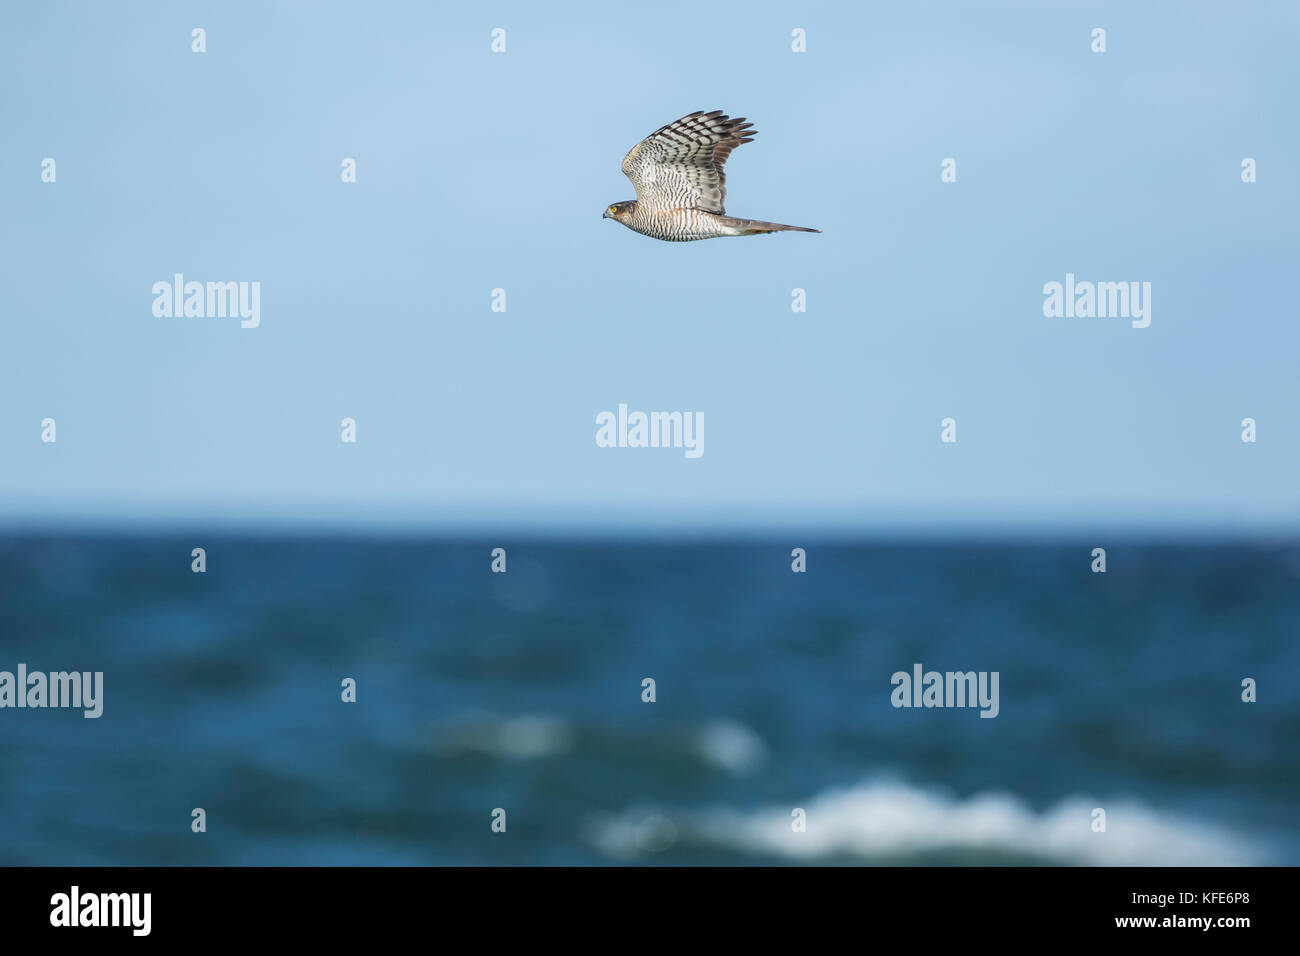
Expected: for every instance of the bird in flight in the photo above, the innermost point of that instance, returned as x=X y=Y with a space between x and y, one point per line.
x=680 y=183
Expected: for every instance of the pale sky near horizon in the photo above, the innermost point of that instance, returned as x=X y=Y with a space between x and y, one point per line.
x=478 y=171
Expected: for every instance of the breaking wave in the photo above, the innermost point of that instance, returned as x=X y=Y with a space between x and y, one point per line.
x=889 y=822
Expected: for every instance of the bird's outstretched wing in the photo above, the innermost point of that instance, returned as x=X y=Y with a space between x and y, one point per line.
x=680 y=165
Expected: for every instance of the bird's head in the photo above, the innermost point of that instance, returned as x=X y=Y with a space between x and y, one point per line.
x=622 y=211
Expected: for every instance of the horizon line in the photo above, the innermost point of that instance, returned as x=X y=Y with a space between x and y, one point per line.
x=966 y=520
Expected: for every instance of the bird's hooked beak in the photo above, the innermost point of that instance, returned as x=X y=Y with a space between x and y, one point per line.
x=605 y=214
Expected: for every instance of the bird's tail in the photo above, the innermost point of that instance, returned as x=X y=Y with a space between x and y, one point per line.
x=756 y=227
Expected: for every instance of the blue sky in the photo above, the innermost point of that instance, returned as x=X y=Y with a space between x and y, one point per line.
x=479 y=171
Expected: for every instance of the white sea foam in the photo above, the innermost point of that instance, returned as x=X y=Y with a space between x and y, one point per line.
x=888 y=822
x=731 y=746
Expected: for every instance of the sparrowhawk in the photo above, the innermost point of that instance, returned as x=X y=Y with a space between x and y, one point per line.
x=680 y=183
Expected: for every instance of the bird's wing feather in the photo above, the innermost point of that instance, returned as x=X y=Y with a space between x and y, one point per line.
x=680 y=165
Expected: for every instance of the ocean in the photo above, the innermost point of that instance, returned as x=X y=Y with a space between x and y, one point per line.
x=517 y=698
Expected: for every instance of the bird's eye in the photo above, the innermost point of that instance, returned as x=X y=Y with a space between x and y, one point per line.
x=613 y=210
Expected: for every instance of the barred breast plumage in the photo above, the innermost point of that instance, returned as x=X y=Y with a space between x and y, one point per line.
x=680 y=183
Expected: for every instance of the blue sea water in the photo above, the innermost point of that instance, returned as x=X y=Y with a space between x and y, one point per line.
x=523 y=691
